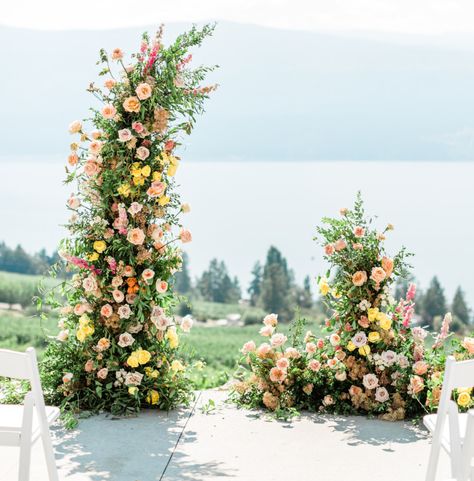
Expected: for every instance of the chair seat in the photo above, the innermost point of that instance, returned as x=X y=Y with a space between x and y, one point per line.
x=11 y=418
x=430 y=423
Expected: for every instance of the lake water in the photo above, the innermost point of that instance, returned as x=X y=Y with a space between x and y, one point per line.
x=240 y=208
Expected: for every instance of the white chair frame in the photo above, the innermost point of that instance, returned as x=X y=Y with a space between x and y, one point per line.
x=18 y=365
x=456 y=375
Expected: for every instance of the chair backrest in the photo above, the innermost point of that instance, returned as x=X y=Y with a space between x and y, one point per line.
x=16 y=365
x=456 y=374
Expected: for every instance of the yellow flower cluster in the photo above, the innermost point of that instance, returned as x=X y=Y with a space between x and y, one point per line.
x=140 y=173
x=324 y=286
x=153 y=397
x=138 y=357
x=124 y=190
x=177 y=366
x=86 y=328
x=172 y=162
x=150 y=372
x=173 y=338
x=375 y=315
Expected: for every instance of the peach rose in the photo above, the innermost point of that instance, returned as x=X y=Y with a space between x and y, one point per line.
x=340 y=244
x=109 y=83
x=355 y=391
x=148 y=274
x=161 y=286
x=95 y=147
x=468 y=344
x=103 y=344
x=357 y=246
x=416 y=385
x=117 y=54
x=359 y=278
x=266 y=331
x=335 y=339
x=248 y=347
x=131 y=104
x=106 y=310
x=328 y=400
x=263 y=350
x=271 y=320
x=156 y=189
x=67 y=377
x=75 y=127
x=109 y=111
x=185 y=236
x=91 y=168
x=102 y=373
x=377 y=275
x=89 y=366
x=72 y=159
x=270 y=401
x=314 y=365
x=387 y=266
x=124 y=135
x=329 y=249
x=283 y=363
x=277 y=374
x=420 y=368
x=359 y=231
x=143 y=91
x=136 y=236
x=138 y=127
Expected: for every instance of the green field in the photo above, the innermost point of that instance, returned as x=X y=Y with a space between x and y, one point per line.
x=218 y=347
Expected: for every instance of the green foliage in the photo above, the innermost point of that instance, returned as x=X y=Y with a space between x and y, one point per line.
x=182 y=279
x=254 y=289
x=459 y=307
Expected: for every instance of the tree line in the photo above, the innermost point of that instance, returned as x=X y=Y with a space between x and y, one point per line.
x=19 y=261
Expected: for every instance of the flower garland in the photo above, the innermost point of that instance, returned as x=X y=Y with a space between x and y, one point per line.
x=118 y=345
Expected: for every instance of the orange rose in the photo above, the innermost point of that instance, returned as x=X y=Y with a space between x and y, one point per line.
x=378 y=275
x=387 y=266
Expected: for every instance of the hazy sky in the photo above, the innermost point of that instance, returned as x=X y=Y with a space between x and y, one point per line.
x=424 y=17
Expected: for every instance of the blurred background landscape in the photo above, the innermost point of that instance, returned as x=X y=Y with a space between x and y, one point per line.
x=302 y=120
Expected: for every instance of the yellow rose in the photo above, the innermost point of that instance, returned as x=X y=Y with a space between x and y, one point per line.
x=350 y=346
x=176 y=366
x=139 y=180
x=172 y=338
x=164 y=200
x=146 y=171
x=385 y=322
x=132 y=360
x=81 y=335
x=172 y=170
x=336 y=294
x=93 y=257
x=124 y=190
x=464 y=399
x=100 y=246
x=136 y=169
x=374 y=336
x=132 y=390
x=372 y=314
x=156 y=176
x=364 y=350
x=324 y=287
x=143 y=356
x=153 y=397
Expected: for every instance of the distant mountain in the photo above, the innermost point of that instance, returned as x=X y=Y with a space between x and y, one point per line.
x=283 y=94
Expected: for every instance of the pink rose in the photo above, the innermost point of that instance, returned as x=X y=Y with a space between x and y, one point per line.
x=102 y=373
x=186 y=323
x=143 y=91
x=335 y=339
x=138 y=127
x=314 y=365
x=359 y=231
x=283 y=363
x=266 y=331
x=142 y=153
x=109 y=83
x=124 y=311
x=263 y=350
x=148 y=274
x=75 y=127
x=73 y=202
x=292 y=353
x=156 y=189
x=310 y=347
x=381 y=395
x=89 y=366
x=248 y=347
x=118 y=296
x=91 y=168
x=124 y=135
x=278 y=339
x=370 y=381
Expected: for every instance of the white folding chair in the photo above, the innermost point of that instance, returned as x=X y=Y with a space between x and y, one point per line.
x=466 y=471
x=22 y=425
x=449 y=436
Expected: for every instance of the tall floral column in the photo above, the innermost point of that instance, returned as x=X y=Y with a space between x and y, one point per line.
x=118 y=344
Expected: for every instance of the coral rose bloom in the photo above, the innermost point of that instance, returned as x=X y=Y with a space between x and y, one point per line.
x=148 y=274
x=416 y=385
x=131 y=104
x=359 y=278
x=359 y=231
x=161 y=286
x=106 y=310
x=156 y=189
x=277 y=374
x=108 y=111
x=136 y=236
x=340 y=245
x=143 y=91
x=420 y=368
x=117 y=54
x=185 y=236
x=109 y=83
x=378 y=275
x=75 y=127
x=387 y=266
x=468 y=344
x=103 y=344
x=329 y=249
x=72 y=159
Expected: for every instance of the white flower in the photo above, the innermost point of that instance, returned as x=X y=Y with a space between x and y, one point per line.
x=187 y=323
x=124 y=311
x=359 y=339
x=133 y=379
x=278 y=339
x=370 y=381
x=126 y=339
x=364 y=305
x=381 y=395
x=389 y=358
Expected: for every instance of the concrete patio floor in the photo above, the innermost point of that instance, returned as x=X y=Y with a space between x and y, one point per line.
x=190 y=445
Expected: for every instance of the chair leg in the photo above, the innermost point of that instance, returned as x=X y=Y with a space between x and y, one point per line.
x=25 y=441
x=433 y=461
x=49 y=456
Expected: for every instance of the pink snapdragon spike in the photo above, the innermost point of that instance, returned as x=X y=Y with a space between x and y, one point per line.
x=411 y=292
x=184 y=62
x=112 y=264
x=82 y=264
x=444 y=332
x=152 y=58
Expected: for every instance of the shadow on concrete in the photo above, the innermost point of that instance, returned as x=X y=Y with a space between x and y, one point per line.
x=362 y=430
